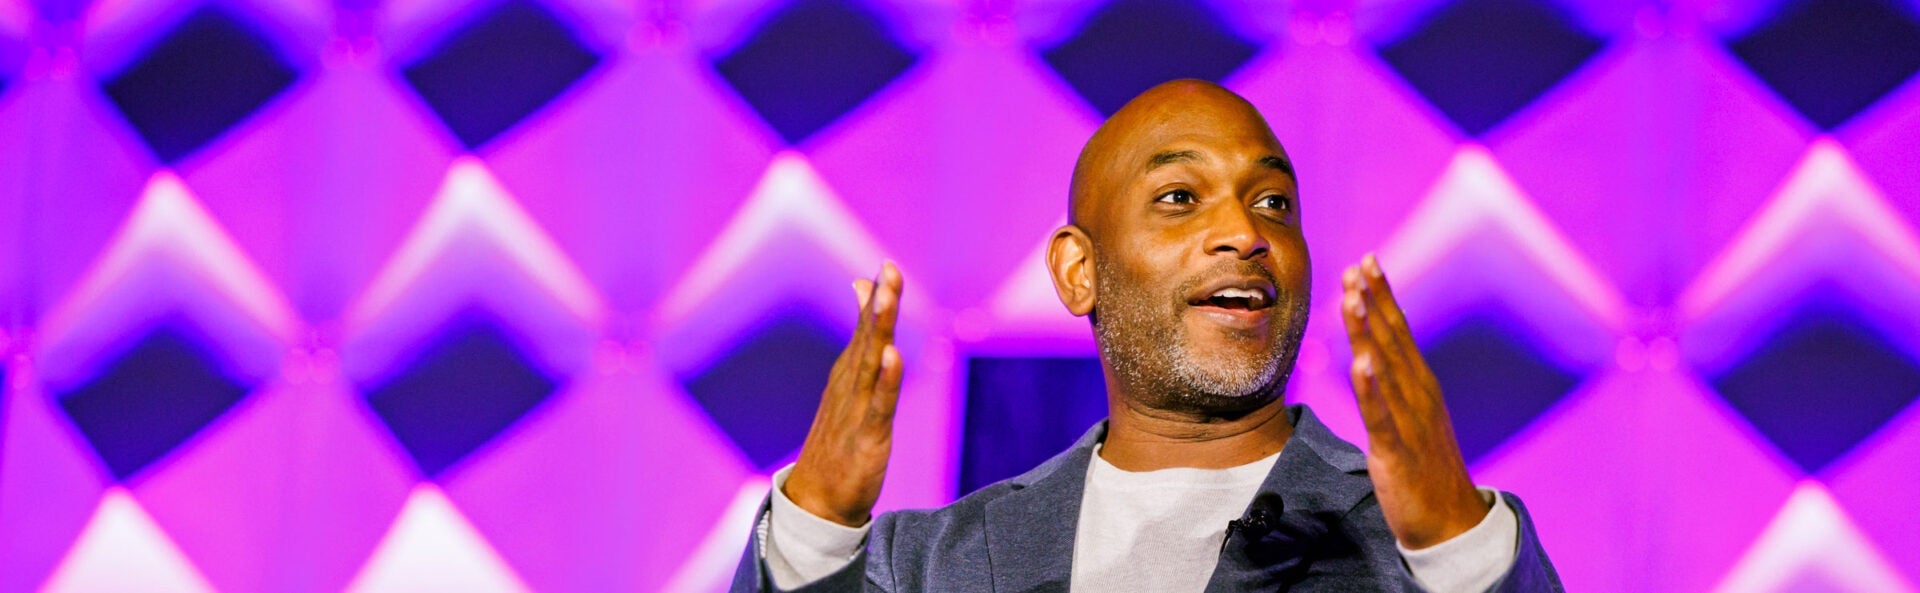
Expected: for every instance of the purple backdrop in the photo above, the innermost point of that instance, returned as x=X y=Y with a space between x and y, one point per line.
x=517 y=295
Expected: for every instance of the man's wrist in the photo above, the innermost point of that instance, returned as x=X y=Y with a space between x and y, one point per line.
x=1461 y=517
x=805 y=498
x=802 y=547
x=1472 y=560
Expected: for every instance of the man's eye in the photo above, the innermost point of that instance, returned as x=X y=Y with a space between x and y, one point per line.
x=1276 y=202
x=1178 y=196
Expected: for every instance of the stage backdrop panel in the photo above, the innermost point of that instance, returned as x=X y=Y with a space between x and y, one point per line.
x=534 y=295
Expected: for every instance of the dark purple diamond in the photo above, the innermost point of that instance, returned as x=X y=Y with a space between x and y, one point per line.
x=465 y=388
x=1129 y=46
x=1495 y=381
x=1820 y=384
x=812 y=62
x=496 y=70
x=1480 y=61
x=150 y=400
x=1831 y=59
x=202 y=79
x=764 y=392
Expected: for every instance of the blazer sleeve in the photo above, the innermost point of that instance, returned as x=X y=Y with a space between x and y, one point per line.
x=752 y=576
x=1531 y=572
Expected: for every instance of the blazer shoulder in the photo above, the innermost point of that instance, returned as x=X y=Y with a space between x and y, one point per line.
x=971 y=510
x=925 y=525
x=940 y=549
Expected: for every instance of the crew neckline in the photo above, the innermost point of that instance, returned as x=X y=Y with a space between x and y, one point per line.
x=1253 y=472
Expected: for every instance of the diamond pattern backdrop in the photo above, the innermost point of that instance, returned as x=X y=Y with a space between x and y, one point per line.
x=532 y=295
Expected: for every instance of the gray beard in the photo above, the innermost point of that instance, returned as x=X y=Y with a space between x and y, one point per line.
x=1142 y=341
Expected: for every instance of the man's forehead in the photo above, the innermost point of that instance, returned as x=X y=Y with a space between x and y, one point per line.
x=1256 y=155
x=1208 y=127
x=1238 y=144
x=1186 y=117
x=1232 y=144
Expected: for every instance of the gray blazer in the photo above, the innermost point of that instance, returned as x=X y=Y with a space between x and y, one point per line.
x=1017 y=535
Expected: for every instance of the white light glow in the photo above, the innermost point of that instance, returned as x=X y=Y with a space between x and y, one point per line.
x=1474 y=194
x=471 y=200
x=169 y=223
x=122 y=549
x=1825 y=186
x=1812 y=534
x=432 y=547
x=790 y=197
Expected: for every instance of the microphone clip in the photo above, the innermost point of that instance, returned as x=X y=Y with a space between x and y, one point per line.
x=1261 y=520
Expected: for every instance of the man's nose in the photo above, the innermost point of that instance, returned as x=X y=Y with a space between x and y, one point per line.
x=1231 y=229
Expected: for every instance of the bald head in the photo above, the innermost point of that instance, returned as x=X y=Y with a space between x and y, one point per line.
x=1136 y=137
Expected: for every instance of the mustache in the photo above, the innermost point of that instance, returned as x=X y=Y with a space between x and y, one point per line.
x=1231 y=267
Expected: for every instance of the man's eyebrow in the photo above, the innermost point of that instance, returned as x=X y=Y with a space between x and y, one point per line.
x=1173 y=156
x=1277 y=164
x=1184 y=156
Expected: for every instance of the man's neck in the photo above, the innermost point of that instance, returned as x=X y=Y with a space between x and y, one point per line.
x=1146 y=439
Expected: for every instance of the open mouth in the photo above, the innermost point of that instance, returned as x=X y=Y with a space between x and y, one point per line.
x=1234 y=299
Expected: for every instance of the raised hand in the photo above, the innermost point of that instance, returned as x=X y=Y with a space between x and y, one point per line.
x=844 y=459
x=1415 y=462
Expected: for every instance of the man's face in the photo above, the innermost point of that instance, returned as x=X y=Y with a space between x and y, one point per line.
x=1201 y=271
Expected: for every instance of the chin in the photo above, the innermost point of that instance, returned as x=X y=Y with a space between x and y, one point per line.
x=1227 y=373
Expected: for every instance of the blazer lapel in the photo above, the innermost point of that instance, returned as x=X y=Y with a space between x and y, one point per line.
x=1030 y=530
x=1318 y=478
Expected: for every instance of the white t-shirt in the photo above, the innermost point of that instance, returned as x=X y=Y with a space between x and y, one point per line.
x=1159 y=530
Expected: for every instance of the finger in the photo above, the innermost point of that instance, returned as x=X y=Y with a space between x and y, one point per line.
x=846 y=371
x=1374 y=411
x=1357 y=315
x=1383 y=370
x=1391 y=363
x=1378 y=326
x=886 y=393
x=1397 y=335
x=1353 y=311
x=862 y=289
x=1385 y=303
x=1365 y=368
x=886 y=311
x=879 y=328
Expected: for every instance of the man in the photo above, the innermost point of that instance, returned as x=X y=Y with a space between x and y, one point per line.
x=1184 y=249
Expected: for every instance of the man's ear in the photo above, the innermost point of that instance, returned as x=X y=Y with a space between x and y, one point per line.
x=1070 y=261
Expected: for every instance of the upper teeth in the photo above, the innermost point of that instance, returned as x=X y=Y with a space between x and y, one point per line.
x=1239 y=293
